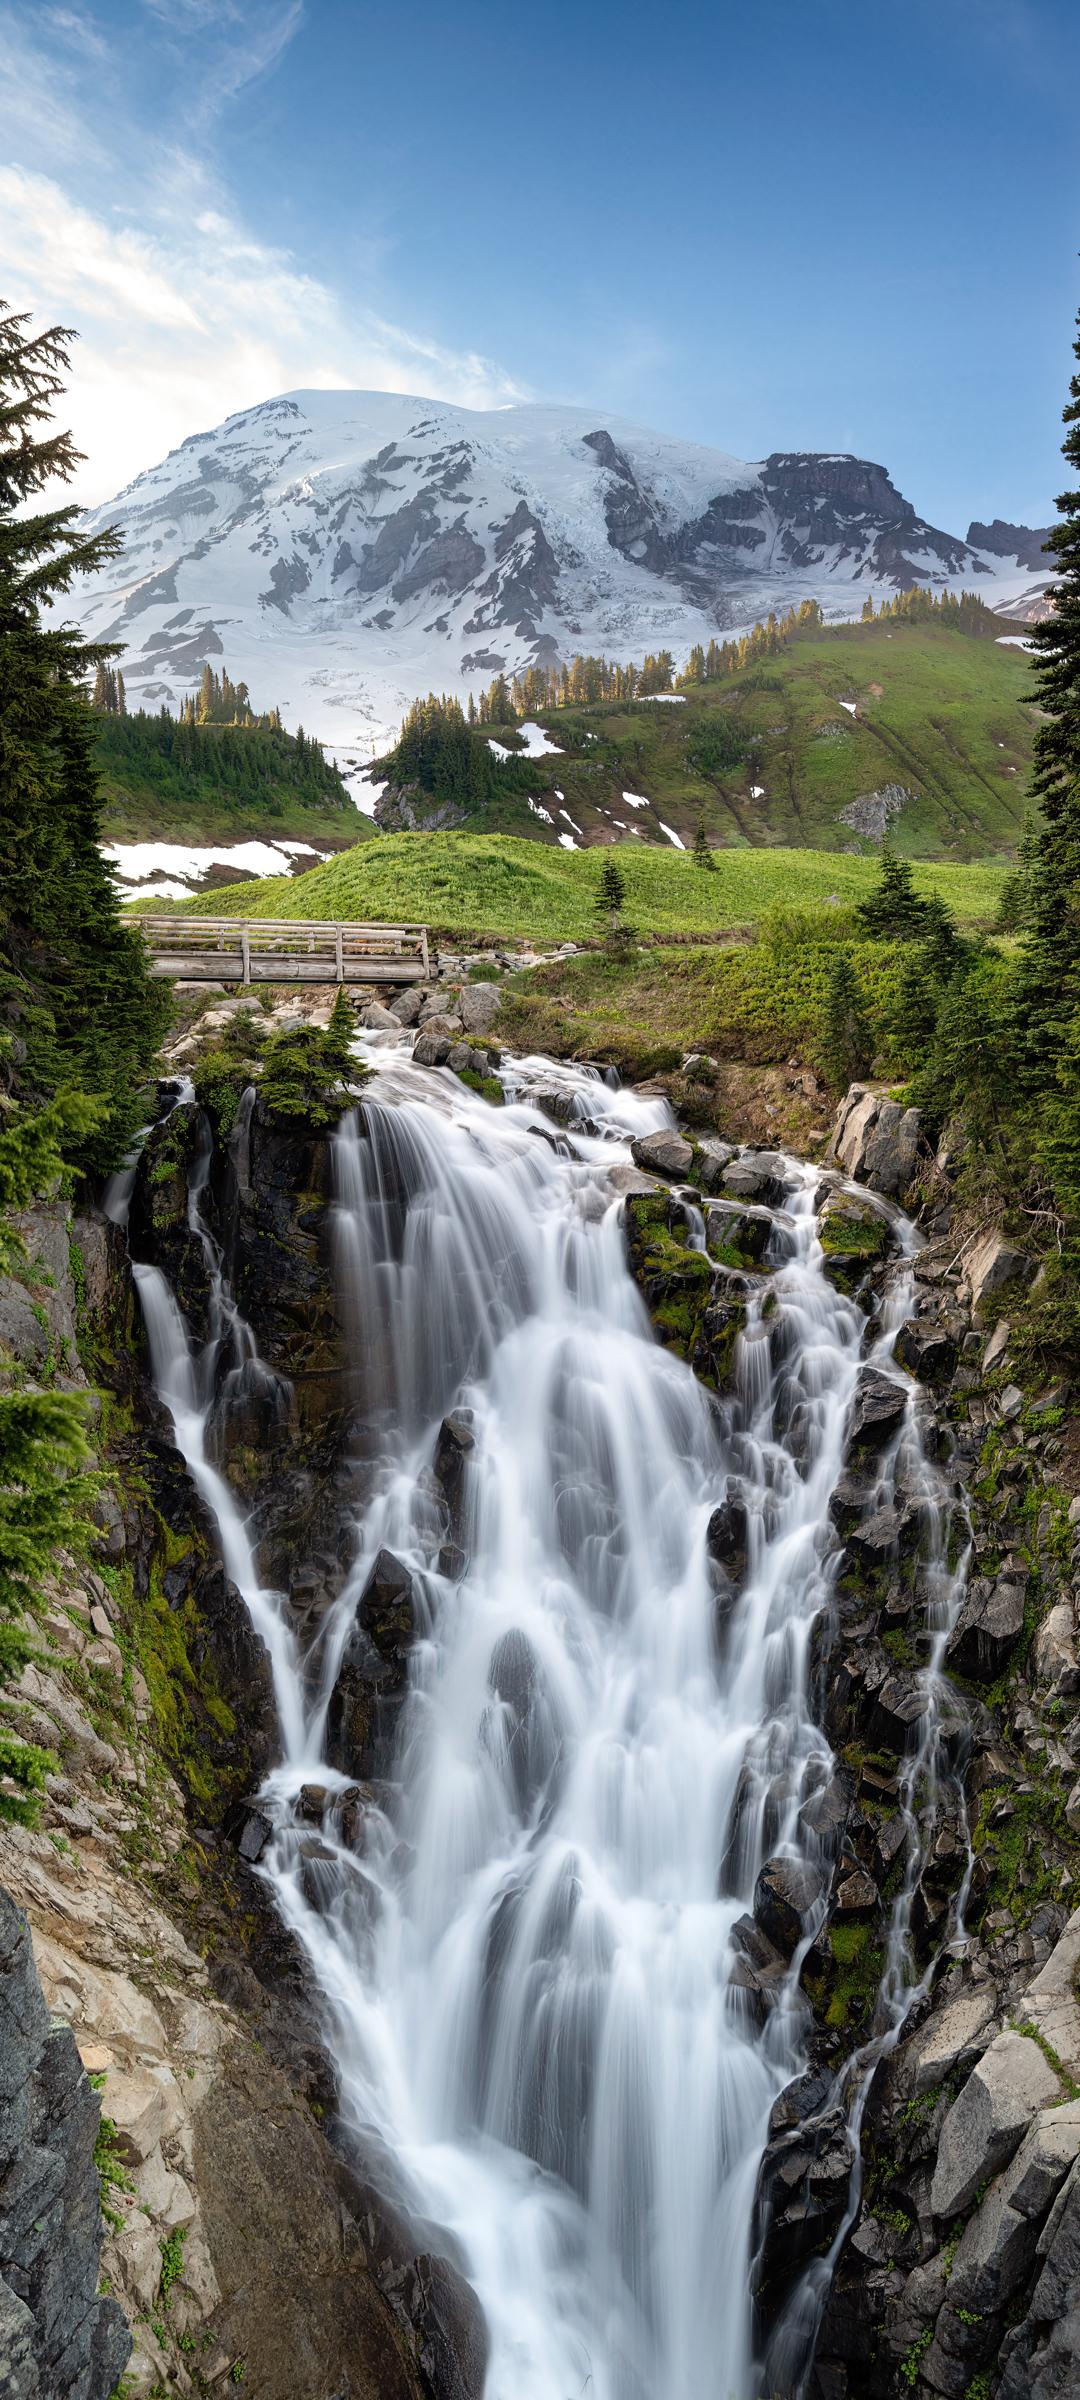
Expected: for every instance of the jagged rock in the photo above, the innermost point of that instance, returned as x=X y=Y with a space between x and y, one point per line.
x=432 y=1049
x=1041 y=2356
x=407 y=1005
x=726 y=1535
x=479 y=1005
x=761 y=1175
x=378 y=1019
x=928 y=1348
x=745 y=1231
x=1054 y=1651
x=952 y=2038
x=987 y=1629
x=877 y=1140
x=802 y=2196
x=897 y=1712
x=857 y=1895
x=386 y=1609
x=878 y=1410
x=988 y=2120
x=855 y=1237
x=455 y=1443
x=882 y=1536
x=664 y=1153
x=713 y=1157
x=59 y=2339
x=992 y=1264
x=786 y=1892
x=250 y=1829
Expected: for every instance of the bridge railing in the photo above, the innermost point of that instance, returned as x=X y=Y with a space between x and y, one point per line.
x=284 y=950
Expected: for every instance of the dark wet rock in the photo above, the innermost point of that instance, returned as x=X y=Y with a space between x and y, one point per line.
x=386 y=1609
x=738 y=1236
x=897 y=1713
x=59 y=2336
x=856 y=1895
x=987 y=1629
x=712 y=1352
x=787 y=1891
x=248 y=1828
x=665 y=1154
x=453 y=1449
x=801 y=2199
x=878 y=1410
x=711 y=1158
x=825 y=1813
x=726 y=1535
x=878 y=1538
x=927 y=1347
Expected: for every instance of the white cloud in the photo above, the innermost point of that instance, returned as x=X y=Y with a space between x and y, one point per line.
x=184 y=316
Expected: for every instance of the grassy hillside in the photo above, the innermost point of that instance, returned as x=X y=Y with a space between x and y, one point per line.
x=772 y=756
x=166 y=781
x=465 y=884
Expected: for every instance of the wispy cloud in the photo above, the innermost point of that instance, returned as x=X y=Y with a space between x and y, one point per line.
x=184 y=314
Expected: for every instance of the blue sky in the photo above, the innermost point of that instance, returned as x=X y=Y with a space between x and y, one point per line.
x=841 y=224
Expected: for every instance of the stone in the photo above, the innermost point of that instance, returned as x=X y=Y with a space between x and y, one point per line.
x=664 y=1153
x=453 y=1447
x=987 y=1629
x=479 y=1006
x=857 y=1895
x=1042 y=2355
x=726 y=1535
x=877 y=1141
x=254 y=1833
x=386 y=1609
x=1011 y=1402
x=953 y=2037
x=878 y=1410
x=439 y=1020
x=630 y=1181
x=405 y=1009
x=431 y=1049
x=1050 y=2002
x=987 y=2121
x=1053 y=1651
x=378 y=1019
x=879 y=1537
x=928 y=1348
x=713 y=1157
x=992 y=1264
x=787 y=1892
x=996 y=1346
x=761 y=1175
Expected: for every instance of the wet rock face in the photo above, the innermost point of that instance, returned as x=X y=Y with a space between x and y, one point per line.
x=371 y=1680
x=787 y=1893
x=58 y=2339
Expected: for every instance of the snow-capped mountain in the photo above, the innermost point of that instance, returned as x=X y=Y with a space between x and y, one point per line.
x=343 y=551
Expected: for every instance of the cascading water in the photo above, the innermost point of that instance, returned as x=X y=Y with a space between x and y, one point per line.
x=526 y=1956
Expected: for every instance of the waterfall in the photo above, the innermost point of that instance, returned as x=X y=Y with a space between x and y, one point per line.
x=528 y=1957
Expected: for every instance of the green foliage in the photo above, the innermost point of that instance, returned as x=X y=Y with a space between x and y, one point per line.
x=717 y=744
x=702 y=854
x=113 y=2175
x=437 y=752
x=224 y=1070
x=895 y=911
x=301 y=1070
x=74 y=980
x=172 y=2264
x=845 y=1048
x=911 y=2364
x=174 y=778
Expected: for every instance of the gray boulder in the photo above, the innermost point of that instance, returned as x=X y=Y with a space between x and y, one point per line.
x=987 y=1629
x=786 y=1892
x=406 y=1008
x=378 y=1019
x=478 y=1006
x=762 y=1175
x=878 y=1410
x=432 y=1049
x=663 y=1153
x=987 y=2122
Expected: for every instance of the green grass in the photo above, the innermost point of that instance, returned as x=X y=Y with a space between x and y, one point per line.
x=164 y=782
x=494 y=885
x=946 y=715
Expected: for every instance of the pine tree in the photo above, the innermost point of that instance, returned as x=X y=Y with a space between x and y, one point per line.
x=846 y=1047
x=74 y=981
x=894 y=910
x=1053 y=946
x=703 y=856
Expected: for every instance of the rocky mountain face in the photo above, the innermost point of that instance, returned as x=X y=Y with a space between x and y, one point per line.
x=1025 y=544
x=344 y=551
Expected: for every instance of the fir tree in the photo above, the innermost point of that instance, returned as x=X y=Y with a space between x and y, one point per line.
x=1053 y=948
x=894 y=910
x=611 y=898
x=74 y=979
x=846 y=1047
x=703 y=856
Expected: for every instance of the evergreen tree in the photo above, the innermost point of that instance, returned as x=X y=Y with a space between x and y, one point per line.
x=612 y=894
x=846 y=1047
x=74 y=981
x=703 y=856
x=1053 y=947
x=894 y=910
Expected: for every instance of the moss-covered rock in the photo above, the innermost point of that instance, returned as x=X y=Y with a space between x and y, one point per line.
x=855 y=1238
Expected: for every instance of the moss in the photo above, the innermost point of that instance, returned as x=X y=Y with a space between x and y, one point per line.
x=858 y=1963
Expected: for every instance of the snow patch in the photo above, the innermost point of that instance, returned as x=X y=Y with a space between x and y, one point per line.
x=645 y=699
x=538 y=744
x=136 y=861
x=544 y=814
x=757 y=791
x=852 y=707
x=674 y=838
x=636 y=800
x=567 y=842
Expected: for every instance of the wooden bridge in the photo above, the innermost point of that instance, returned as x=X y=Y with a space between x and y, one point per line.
x=283 y=950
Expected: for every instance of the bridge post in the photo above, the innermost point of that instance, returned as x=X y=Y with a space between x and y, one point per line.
x=340 y=959
x=245 y=953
